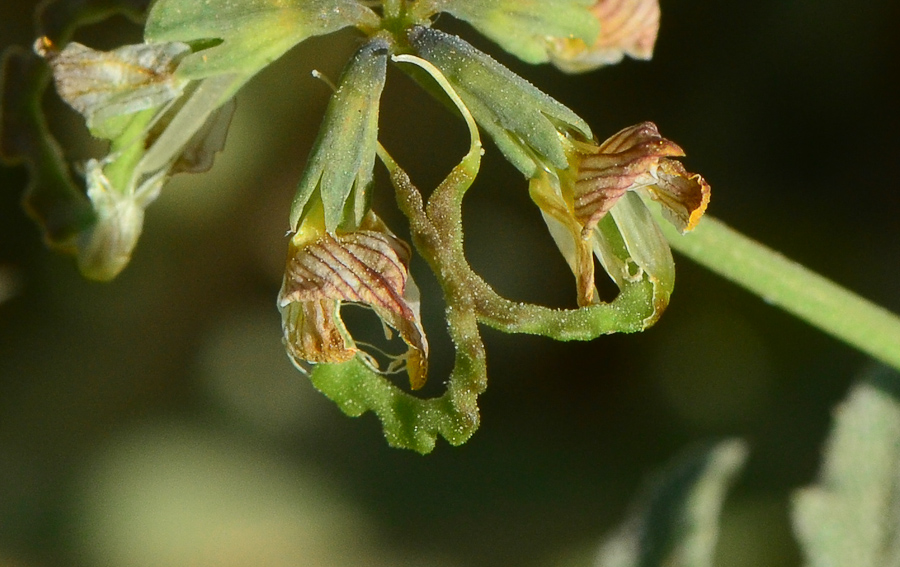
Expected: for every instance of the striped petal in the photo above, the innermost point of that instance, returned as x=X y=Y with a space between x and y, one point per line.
x=627 y=160
x=369 y=267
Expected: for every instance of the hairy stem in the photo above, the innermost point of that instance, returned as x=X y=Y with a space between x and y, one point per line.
x=796 y=289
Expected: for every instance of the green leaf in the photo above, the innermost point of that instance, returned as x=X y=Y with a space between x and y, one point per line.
x=253 y=33
x=675 y=522
x=851 y=517
x=343 y=155
x=525 y=123
x=522 y=27
x=409 y=422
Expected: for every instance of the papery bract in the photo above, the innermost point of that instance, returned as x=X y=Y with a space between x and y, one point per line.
x=105 y=84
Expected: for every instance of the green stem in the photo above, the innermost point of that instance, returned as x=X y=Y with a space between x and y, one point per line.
x=796 y=289
x=392 y=8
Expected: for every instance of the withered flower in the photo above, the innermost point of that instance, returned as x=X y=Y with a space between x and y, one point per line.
x=367 y=266
x=609 y=179
x=636 y=158
x=627 y=27
x=105 y=84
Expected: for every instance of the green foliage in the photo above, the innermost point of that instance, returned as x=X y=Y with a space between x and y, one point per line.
x=164 y=106
x=851 y=517
x=344 y=154
x=243 y=37
x=676 y=521
x=523 y=26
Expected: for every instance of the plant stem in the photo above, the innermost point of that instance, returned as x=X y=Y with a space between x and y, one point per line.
x=392 y=8
x=796 y=289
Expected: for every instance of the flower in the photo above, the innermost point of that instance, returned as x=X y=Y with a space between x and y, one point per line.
x=627 y=27
x=367 y=266
x=611 y=178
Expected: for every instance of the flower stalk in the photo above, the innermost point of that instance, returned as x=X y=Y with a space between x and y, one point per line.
x=781 y=282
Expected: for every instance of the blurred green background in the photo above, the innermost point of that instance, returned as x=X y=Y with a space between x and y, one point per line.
x=155 y=420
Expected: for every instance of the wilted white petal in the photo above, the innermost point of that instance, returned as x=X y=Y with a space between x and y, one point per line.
x=104 y=84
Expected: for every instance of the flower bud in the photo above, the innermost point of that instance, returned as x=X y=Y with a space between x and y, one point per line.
x=594 y=207
x=343 y=156
x=527 y=125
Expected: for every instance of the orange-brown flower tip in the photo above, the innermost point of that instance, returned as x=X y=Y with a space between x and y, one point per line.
x=45 y=48
x=368 y=266
x=627 y=27
x=684 y=196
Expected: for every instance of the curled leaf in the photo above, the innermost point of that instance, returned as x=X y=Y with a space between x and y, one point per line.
x=369 y=267
x=627 y=27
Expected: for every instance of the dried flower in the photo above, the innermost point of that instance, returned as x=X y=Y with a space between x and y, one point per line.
x=576 y=200
x=368 y=266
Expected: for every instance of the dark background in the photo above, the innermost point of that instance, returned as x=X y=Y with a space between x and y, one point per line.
x=155 y=420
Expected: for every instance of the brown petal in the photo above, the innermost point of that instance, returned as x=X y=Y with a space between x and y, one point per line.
x=625 y=161
x=627 y=27
x=367 y=267
x=684 y=196
x=314 y=332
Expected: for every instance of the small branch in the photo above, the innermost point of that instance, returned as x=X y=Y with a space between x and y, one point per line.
x=792 y=287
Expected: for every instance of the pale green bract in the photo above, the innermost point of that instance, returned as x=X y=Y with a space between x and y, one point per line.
x=522 y=27
x=243 y=37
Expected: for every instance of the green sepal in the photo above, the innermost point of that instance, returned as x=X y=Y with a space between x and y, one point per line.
x=253 y=33
x=522 y=27
x=526 y=124
x=343 y=156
